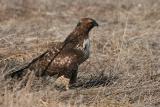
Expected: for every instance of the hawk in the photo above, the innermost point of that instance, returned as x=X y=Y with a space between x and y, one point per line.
x=62 y=59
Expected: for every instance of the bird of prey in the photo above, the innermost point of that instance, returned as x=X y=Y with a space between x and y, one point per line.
x=62 y=59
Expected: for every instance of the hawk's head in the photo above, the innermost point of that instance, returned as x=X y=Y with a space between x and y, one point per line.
x=87 y=24
x=80 y=33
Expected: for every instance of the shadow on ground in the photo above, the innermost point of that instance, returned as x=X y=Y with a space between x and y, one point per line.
x=95 y=81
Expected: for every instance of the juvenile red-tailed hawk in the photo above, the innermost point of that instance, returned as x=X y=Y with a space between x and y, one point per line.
x=64 y=58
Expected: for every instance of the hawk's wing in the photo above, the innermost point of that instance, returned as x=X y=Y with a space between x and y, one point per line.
x=39 y=63
x=66 y=61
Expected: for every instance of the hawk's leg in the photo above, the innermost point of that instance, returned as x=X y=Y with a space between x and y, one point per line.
x=67 y=78
x=73 y=78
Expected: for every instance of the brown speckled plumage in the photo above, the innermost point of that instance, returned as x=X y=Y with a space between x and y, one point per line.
x=64 y=58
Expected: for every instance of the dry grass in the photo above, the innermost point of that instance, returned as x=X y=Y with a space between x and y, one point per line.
x=124 y=67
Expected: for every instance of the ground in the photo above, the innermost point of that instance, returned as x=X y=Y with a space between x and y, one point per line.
x=122 y=71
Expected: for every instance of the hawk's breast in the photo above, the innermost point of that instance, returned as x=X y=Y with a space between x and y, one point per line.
x=86 y=47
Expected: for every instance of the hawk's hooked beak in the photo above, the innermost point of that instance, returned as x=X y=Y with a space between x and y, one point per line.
x=95 y=23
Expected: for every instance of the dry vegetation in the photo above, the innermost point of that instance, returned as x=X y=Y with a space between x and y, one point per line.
x=124 y=67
